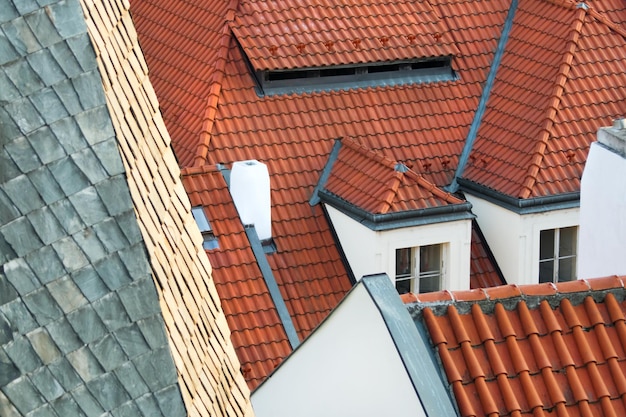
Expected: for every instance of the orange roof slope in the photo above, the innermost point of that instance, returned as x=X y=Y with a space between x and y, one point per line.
x=299 y=34
x=559 y=79
x=378 y=185
x=256 y=330
x=484 y=271
x=542 y=350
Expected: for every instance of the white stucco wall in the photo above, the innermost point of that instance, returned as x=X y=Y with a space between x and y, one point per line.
x=370 y=252
x=602 y=236
x=348 y=367
x=514 y=238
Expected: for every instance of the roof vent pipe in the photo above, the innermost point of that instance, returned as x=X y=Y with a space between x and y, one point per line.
x=250 y=189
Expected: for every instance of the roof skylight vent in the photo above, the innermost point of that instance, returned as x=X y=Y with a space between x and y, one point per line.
x=343 y=77
x=250 y=189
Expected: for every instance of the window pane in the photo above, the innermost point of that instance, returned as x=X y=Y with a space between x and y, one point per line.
x=567 y=241
x=430 y=258
x=403 y=262
x=567 y=269
x=201 y=219
x=430 y=283
x=546 y=271
x=403 y=286
x=546 y=245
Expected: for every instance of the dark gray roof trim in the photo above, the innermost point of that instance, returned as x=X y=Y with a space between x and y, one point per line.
x=272 y=286
x=413 y=347
x=522 y=205
x=334 y=153
x=396 y=220
x=484 y=98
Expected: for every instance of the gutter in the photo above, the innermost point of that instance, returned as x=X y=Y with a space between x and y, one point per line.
x=522 y=205
x=395 y=220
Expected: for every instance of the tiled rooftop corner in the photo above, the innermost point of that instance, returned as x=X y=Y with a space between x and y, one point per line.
x=104 y=285
x=536 y=349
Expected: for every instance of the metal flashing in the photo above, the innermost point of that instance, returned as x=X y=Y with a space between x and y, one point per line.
x=411 y=341
x=522 y=205
x=332 y=157
x=272 y=286
x=396 y=220
x=484 y=98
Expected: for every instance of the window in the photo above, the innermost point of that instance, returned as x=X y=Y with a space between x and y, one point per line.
x=557 y=254
x=304 y=80
x=426 y=278
x=209 y=239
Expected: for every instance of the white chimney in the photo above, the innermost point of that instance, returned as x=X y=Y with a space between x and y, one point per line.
x=250 y=189
x=602 y=238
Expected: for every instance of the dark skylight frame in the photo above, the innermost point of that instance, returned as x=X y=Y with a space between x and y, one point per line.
x=344 y=77
x=209 y=239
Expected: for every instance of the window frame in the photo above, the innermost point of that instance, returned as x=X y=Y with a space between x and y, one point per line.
x=557 y=257
x=209 y=240
x=415 y=276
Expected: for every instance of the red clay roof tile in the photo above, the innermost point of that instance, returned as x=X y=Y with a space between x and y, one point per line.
x=542 y=354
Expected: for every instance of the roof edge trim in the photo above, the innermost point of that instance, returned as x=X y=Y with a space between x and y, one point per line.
x=272 y=286
x=332 y=157
x=411 y=342
x=484 y=98
x=522 y=205
x=396 y=220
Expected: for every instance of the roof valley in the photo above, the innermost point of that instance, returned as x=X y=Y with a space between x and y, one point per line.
x=552 y=109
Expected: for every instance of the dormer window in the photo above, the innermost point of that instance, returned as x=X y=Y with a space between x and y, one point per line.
x=306 y=80
x=209 y=240
x=419 y=270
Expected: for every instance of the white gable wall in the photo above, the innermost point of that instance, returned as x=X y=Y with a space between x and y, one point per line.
x=603 y=212
x=348 y=367
x=371 y=252
x=514 y=238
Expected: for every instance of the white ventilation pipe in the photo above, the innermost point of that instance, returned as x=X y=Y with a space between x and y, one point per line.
x=250 y=189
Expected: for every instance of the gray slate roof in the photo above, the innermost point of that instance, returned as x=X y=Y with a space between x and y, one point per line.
x=81 y=331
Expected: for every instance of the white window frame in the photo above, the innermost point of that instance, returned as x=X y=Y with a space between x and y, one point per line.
x=556 y=255
x=415 y=276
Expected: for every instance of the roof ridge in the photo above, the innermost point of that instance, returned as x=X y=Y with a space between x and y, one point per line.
x=503 y=293
x=198 y=170
x=415 y=176
x=213 y=98
x=553 y=106
x=603 y=19
x=392 y=192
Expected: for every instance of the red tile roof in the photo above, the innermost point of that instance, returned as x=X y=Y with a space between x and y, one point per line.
x=297 y=34
x=484 y=271
x=256 y=330
x=559 y=80
x=532 y=350
x=371 y=181
x=215 y=115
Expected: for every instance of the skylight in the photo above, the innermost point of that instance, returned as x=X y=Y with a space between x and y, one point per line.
x=306 y=80
x=209 y=238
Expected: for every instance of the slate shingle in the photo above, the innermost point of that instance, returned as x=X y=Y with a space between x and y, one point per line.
x=46 y=66
x=47 y=384
x=66 y=406
x=8 y=91
x=111 y=235
x=111 y=311
x=131 y=380
x=7 y=293
x=108 y=352
x=171 y=402
x=46 y=144
x=151 y=367
x=44 y=346
x=114 y=194
x=113 y=272
x=85 y=363
x=7 y=51
x=90 y=283
x=23 y=194
x=87 y=161
x=149 y=406
x=68 y=134
x=67 y=294
x=23 y=154
x=43 y=307
x=42 y=28
x=65 y=58
x=87 y=324
x=89 y=206
x=22 y=354
x=67 y=216
x=87 y=402
x=68 y=96
x=90 y=244
x=46 y=185
x=8 y=210
x=132 y=341
x=18 y=315
x=23 y=395
x=46 y=264
x=88 y=87
x=63 y=372
x=46 y=225
x=83 y=51
x=22 y=278
x=8 y=372
x=21 y=37
x=70 y=254
x=21 y=236
x=139 y=299
x=95 y=123
x=108 y=391
x=64 y=335
x=49 y=105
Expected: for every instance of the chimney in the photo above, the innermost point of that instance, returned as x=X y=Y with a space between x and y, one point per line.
x=602 y=237
x=250 y=189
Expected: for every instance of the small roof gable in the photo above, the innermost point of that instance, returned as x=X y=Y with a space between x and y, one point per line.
x=558 y=80
x=546 y=349
x=287 y=34
x=484 y=270
x=374 y=183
